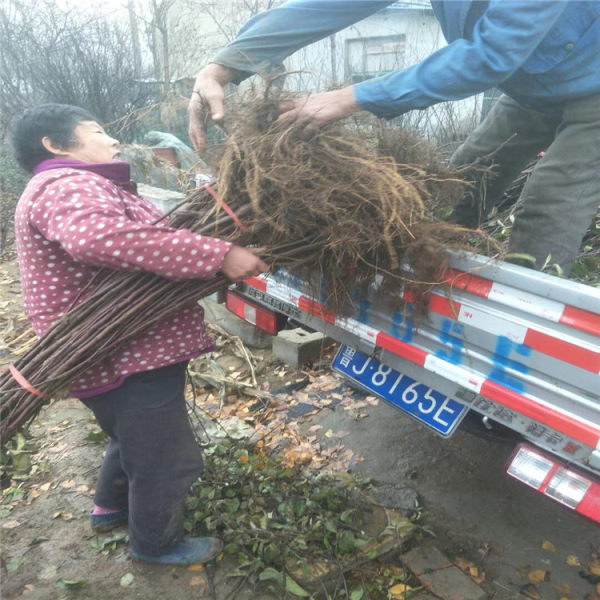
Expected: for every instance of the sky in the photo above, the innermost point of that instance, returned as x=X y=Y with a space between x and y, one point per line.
x=114 y=7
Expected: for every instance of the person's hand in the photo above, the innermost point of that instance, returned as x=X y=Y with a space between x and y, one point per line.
x=320 y=109
x=208 y=102
x=241 y=263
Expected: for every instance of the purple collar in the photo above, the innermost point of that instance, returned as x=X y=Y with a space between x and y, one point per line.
x=118 y=172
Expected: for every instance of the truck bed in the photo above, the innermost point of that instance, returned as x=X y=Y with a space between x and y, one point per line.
x=516 y=345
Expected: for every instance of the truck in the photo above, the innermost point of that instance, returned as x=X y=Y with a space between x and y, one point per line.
x=513 y=347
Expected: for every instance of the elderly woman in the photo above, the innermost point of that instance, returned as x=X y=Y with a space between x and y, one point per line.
x=80 y=212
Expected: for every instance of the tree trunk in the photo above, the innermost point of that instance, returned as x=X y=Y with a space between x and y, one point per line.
x=333 y=52
x=135 y=39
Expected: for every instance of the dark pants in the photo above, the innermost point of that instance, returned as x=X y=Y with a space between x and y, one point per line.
x=562 y=194
x=153 y=457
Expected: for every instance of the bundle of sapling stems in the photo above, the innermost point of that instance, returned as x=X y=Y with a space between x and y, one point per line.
x=320 y=207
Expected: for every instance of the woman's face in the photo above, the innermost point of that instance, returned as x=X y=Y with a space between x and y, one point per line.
x=93 y=144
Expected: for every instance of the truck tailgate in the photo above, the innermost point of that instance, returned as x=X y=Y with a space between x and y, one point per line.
x=514 y=344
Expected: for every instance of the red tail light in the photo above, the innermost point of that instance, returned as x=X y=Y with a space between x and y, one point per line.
x=264 y=319
x=551 y=477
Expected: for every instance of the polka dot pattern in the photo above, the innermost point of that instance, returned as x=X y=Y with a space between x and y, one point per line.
x=68 y=224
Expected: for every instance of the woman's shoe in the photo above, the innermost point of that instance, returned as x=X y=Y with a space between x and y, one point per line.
x=108 y=521
x=187 y=551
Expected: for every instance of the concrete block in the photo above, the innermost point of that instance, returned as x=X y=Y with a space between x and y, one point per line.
x=297 y=346
x=440 y=576
x=219 y=315
x=164 y=199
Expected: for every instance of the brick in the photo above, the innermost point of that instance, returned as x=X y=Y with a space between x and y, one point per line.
x=298 y=346
x=219 y=315
x=426 y=558
x=438 y=575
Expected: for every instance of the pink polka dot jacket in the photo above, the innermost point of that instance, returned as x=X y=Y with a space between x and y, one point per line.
x=71 y=221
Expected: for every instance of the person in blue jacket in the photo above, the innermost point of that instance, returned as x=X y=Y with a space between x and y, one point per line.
x=544 y=56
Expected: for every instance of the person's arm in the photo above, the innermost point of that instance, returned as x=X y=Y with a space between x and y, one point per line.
x=504 y=38
x=260 y=47
x=268 y=38
x=93 y=228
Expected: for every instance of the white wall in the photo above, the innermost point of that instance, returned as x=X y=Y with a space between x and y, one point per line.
x=420 y=29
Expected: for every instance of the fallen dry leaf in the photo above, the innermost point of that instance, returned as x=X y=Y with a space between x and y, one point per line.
x=197 y=580
x=328 y=387
x=10 y=524
x=65 y=516
x=565 y=590
x=594 y=567
x=537 y=576
x=476 y=576
x=58 y=448
x=68 y=484
x=196 y=568
x=546 y=545
x=398 y=591
x=470 y=569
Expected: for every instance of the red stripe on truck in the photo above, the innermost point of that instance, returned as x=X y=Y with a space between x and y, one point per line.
x=402 y=349
x=438 y=304
x=314 y=308
x=581 y=319
x=578 y=430
x=565 y=351
x=258 y=283
x=477 y=286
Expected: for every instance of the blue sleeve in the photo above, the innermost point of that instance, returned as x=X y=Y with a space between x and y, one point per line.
x=503 y=39
x=268 y=38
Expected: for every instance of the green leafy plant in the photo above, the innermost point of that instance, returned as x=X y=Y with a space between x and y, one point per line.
x=275 y=519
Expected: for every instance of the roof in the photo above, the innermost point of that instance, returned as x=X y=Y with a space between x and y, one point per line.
x=411 y=5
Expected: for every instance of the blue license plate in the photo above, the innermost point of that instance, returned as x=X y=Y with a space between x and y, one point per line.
x=439 y=412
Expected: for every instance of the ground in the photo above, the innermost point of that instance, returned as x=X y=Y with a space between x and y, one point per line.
x=511 y=542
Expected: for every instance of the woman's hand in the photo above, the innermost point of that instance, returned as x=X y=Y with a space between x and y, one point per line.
x=241 y=263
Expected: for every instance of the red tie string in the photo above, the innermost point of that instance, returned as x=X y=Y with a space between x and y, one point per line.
x=225 y=206
x=24 y=383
